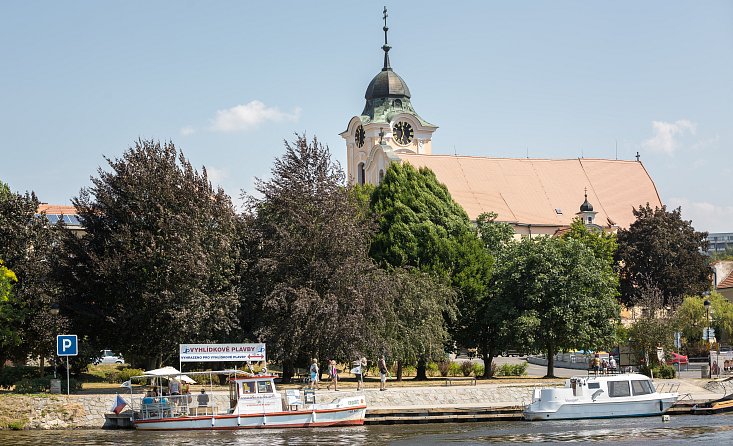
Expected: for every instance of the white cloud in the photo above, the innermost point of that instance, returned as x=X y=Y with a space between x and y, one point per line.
x=250 y=116
x=185 y=131
x=705 y=216
x=666 y=135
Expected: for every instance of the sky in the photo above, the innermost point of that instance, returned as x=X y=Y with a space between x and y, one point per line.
x=229 y=81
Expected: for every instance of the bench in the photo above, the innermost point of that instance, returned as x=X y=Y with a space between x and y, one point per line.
x=468 y=379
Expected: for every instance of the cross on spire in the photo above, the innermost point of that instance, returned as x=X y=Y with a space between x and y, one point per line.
x=637 y=157
x=385 y=47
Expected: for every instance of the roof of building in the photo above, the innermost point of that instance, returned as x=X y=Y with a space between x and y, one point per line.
x=56 y=209
x=387 y=84
x=727 y=282
x=542 y=191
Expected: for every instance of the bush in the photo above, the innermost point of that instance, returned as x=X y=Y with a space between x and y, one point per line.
x=454 y=368
x=467 y=368
x=511 y=370
x=38 y=385
x=120 y=376
x=444 y=368
x=660 y=372
x=478 y=370
x=431 y=369
x=11 y=375
x=409 y=370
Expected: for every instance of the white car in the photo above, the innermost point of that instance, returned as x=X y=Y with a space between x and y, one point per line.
x=108 y=357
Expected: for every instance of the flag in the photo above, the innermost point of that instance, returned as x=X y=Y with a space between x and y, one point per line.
x=118 y=404
x=126 y=384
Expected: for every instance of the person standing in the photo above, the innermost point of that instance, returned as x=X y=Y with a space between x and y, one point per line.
x=314 y=374
x=596 y=364
x=359 y=370
x=382 y=373
x=333 y=373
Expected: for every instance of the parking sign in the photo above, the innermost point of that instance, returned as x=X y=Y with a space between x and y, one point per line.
x=66 y=345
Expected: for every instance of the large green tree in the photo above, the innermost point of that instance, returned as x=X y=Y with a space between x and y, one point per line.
x=421 y=226
x=27 y=247
x=309 y=286
x=565 y=294
x=665 y=250
x=690 y=320
x=156 y=264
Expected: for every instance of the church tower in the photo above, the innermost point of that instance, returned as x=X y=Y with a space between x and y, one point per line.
x=586 y=212
x=388 y=125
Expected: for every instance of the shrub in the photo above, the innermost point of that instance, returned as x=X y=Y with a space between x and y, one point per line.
x=467 y=368
x=11 y=375
x=478 y=370
x=409 y=370
x=660 y=372
x=38 y=385
x=444 y=368
x=120 y=376
x=512 y=369
x=454 y=368
x=431 y=369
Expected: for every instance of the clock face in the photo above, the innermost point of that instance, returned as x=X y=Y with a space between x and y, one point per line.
x=403 y=133
x=359 y=136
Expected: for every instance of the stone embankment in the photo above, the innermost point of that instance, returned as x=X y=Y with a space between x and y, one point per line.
x=88 y=411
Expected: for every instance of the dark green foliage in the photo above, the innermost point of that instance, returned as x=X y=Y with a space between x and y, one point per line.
x=43 y=384
x=9 y=375
x=662 y=248
x=495 y=235
x=421 y=226
x=662 y=371
x=563 y=294
x=156 y=266
x=311 y=288
x=27 y=247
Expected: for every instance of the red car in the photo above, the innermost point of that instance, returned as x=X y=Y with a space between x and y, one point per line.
x=676 y=358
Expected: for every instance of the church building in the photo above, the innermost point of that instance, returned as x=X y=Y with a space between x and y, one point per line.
x=536 y=196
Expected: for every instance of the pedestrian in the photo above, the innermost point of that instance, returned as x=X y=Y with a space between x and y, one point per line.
x=596 y=364
x=612 y=364
x=359 y=370
x=382 y=373
x=334 y=374
x=314 y=374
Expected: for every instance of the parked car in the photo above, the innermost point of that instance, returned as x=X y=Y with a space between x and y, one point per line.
x=109 y=357
x=676 y=358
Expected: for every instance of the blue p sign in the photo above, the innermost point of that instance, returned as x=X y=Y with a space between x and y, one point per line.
x=66 y=345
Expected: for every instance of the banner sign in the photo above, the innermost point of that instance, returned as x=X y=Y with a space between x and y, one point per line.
x=222 y=352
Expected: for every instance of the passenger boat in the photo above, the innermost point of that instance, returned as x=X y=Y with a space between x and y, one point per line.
x=254 y=402
x=604 y=396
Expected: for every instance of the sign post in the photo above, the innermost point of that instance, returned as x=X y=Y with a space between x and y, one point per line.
x=67 y=345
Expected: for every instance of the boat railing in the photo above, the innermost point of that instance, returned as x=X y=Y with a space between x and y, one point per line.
x=667 y=387
x=174 y=406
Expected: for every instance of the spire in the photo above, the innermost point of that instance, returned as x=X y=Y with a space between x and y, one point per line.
x=386 y=47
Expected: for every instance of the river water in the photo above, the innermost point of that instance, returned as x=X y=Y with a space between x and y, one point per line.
x=681 y=429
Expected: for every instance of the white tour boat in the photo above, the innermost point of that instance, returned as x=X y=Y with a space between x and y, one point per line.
x=254 y=402
x=604 y=396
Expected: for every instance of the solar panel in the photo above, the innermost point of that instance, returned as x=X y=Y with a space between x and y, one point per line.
x=52 y=218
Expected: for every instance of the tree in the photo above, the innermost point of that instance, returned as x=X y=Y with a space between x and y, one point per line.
x=655 y=327
x=604 y=245
x=27 y=247
x=564 y=294
x=415 y=328
x=494 y=234
x=309 y=286
x=690 y=320
x=156 y=265
x=422 y=227
x=662 y=248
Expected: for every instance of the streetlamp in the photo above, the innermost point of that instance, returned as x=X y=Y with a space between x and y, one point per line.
x=54 y=311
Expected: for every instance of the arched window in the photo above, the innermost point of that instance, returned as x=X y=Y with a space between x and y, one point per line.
x=381 y=176
x=398 y=103
x=361 y=174
x=590 y=220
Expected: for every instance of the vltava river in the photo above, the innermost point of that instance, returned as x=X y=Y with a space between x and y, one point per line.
x=682 y=429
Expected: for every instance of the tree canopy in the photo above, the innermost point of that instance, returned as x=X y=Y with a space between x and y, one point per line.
x=665 y=250
x=309 y=286
x=564 y=294
x=156 y=264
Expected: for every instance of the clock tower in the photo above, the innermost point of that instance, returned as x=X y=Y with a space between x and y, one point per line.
x=388 y=125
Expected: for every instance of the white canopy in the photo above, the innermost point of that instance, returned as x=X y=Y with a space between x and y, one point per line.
x=169 y=372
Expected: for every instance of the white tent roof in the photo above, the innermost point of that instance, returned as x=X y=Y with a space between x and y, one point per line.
x=169 y=372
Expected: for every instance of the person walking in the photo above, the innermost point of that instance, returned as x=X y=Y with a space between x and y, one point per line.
x=314 y=374
x=382 y=373
x=359 y=371
x=334 y=374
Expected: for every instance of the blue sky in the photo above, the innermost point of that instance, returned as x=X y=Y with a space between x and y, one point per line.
x=228 y=81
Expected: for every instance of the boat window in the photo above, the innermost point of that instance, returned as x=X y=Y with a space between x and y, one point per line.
x=641 y=387
x=264 y=387
x=248 y=387
x=618 y=388
x=594 y=385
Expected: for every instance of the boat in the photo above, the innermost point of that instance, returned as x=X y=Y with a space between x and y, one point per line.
x=254 y=402
x=603 y=396
x=724 y=404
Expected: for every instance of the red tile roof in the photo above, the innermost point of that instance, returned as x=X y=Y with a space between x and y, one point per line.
x=56 y=209
x=727 y=282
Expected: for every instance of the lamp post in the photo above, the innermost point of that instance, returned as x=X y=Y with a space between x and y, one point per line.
x=54 y=311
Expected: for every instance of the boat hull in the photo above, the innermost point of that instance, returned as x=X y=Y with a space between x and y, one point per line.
x=601 y=409
x=318 y=418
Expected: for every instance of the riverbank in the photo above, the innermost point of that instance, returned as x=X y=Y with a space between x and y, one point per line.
x=400 y=403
